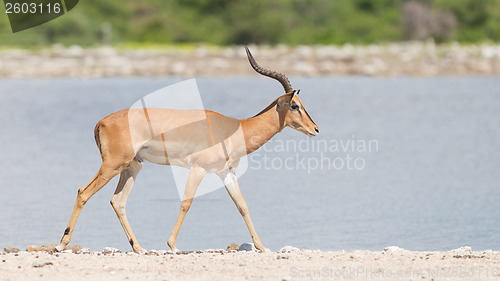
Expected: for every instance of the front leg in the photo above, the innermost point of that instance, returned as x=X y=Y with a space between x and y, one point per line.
x=232 y=187
x=195 y=176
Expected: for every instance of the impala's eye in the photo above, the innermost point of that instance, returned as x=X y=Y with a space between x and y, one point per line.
x=294 y=106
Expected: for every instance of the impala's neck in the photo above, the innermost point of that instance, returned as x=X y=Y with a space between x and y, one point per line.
x=261 y=128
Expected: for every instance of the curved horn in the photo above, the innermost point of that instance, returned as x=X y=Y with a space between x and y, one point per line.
x=269 y=73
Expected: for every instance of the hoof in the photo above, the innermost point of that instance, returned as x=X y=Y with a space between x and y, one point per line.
x=262 y=249
x=140 y=250
x=59 y=248
x=171 y=245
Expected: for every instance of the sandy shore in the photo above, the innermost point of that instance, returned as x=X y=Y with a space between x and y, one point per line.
x=408 y=59
x=289 y=263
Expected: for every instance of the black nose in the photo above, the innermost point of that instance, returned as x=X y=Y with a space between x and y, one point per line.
x=317 y=130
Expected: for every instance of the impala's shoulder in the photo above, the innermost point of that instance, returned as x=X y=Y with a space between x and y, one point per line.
x=211 y=113
x=217 y=117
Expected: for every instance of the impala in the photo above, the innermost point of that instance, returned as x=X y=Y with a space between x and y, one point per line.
x=180 y=137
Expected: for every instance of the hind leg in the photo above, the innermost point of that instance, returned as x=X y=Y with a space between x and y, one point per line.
x=105 y=174
x=119 y=200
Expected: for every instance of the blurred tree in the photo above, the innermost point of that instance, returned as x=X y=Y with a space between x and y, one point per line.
x=265 y=22
x=473 y=17
x=421 y=23
x=255 y=22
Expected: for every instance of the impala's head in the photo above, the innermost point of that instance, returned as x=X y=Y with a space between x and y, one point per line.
x=292 y=112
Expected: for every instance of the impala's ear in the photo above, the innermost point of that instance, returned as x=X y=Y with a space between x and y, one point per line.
x=284 y=100
x=294 y=92
x=283 y=103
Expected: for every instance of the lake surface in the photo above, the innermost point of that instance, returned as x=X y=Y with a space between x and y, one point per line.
x=411 y=162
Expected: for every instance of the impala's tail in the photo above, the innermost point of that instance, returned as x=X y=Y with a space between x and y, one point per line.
x=97 y=137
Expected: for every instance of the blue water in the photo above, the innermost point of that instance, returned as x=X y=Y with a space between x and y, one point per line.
x=428 y=182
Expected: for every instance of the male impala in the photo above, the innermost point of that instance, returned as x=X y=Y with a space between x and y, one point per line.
x=182 y=138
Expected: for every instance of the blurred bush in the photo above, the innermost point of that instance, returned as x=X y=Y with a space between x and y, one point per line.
x=224 y=22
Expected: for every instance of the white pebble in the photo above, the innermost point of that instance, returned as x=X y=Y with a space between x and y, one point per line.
x=288 y=249
x=462 y=250
x=84 y=251
x=393 y=249
x=110 y=250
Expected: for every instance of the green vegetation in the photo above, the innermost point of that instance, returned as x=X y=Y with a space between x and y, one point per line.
x=222 y=22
